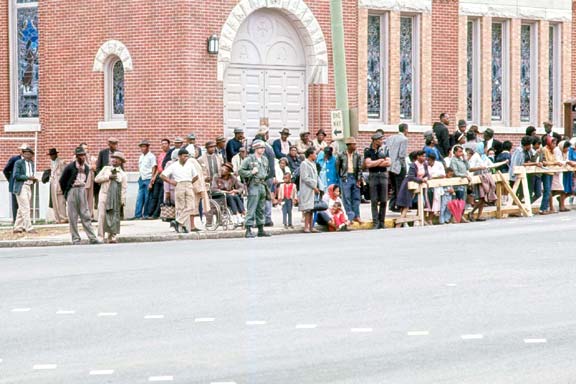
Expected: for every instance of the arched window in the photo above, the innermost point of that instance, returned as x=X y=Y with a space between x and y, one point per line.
x=114 y=89
x=24 y=66
x=114 y=60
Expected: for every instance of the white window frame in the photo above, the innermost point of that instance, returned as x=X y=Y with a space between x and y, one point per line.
x=416 y=66
x=505 y=121
x=17 y=123
x=476 y=71
x=557 y=74
x=534 y=76
x=384 y=70
x=109 y=114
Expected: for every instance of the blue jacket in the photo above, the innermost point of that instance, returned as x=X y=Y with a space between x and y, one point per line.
x=277 y=146
x=9 y=171
x=20 y=175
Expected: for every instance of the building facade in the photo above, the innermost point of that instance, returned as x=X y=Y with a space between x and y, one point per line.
x=83 y=71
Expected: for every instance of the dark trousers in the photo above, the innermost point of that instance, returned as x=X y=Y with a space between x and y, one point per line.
x=14 y=207
x=396 y=182
x=235 y=204
x=155 y=198
x=351 y=196
x=378 y=196
x=287 y=212
x=535 y=186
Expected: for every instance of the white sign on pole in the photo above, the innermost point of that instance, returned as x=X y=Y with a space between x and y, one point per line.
x=337 y=121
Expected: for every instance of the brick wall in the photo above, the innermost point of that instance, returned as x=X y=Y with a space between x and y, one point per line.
x=444 y=64
x=173 y=89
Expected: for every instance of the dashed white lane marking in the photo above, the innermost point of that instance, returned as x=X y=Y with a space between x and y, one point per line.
x=41 y=367
x=361 y=330
x=535 y=341
x=150 y=317
x=161 y=378
x=451 y=284
x=21 y=309
x=565 y=219
x=1 y=360
x=107 y=314
x=472 y=337
x=204 y=319
x=101 y=372
x=306 y=326
x=417 y=333
x=62 y=312
x=256 y=322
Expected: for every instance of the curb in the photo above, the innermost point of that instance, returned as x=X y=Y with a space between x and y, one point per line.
x=144 y=238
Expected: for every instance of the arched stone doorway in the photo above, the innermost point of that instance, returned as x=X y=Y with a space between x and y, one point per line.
x=266 y=77
x=268 y=56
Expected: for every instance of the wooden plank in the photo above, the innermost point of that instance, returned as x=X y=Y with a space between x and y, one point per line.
x=499 y=200
x=453 y=181
x=550 y=169
x=526 y=193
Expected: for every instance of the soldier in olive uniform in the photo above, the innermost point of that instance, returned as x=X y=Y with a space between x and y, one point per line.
x=254 y=171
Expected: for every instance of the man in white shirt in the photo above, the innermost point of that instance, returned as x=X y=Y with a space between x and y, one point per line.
x=182 y=174
x=146 y=167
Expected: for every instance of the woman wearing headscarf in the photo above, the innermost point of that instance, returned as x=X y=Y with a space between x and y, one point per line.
x=332 y=196
x=418 y=173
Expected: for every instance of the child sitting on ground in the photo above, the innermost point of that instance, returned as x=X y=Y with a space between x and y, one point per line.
x=339 y=221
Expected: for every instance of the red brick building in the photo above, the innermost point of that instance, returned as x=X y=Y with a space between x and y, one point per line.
x=77 y=72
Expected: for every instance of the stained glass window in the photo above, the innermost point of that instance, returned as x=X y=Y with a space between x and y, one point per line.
x=497 y=69
x=118 y=88
x=525 y=72
x=374 y=68
x=406 y=67
x=469 y=69
x=27 y=29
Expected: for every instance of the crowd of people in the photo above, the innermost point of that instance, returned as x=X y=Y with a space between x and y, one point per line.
x=318 y=178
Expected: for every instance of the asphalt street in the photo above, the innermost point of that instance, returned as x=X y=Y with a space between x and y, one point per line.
x=478 y=303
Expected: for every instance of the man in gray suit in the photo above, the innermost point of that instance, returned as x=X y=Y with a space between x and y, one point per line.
x=398 y=148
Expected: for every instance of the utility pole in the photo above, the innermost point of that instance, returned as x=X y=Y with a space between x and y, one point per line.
x=339 y=59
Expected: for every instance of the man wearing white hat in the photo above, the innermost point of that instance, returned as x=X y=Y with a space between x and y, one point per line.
x=254 y=172
x=113 y=183
x=9 y=173
x=24 y=179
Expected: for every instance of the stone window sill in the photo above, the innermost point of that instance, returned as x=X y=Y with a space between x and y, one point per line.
x=23 y=127
x=113 y=124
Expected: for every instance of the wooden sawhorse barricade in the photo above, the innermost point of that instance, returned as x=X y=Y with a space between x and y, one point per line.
x=514 y=204
x=521 y=182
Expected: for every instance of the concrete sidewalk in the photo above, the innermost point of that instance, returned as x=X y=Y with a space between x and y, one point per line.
x=156 y=230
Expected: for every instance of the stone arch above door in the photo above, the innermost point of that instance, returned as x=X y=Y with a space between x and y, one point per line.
x=305 y=22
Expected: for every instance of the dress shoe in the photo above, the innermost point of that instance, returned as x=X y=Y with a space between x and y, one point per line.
x=249 y=234
x=95 y=241
x=269 y=224
x=174 y=224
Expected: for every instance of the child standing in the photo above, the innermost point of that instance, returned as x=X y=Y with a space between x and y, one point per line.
x=287 y=195
x=447 y=196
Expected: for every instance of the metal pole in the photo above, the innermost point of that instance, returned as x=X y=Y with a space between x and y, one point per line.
x=35 y=185
x=339 y=58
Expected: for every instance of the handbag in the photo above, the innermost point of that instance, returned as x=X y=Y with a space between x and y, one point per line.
x=167 y=212
x=46 y=176
x=319 y=205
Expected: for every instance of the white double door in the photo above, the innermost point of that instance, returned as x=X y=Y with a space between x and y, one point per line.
x=277 y=94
